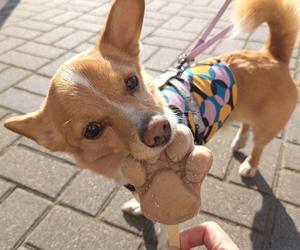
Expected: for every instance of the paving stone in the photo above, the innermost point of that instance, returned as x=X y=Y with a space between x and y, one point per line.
x=3 y=67
x=65 y=229
x=32 y=7
x=260 y=34
x=162 y=59
x=227 y=46
x=175 y=34
x=115 y=216
x=17 y=214
x=50 y=69
x=267 y=167
x=147 y=51
x=254 y=46
x=35 y=171
x=5 y=187
x=87 y=192
x=74 y=39
x=11 y=76
x=33 y=145
x=36 y=25
x=176 y=23
x=35 y=83
x=64 y=17
x=82 y=25
x=7 y=137
x=23 y=60
x=166 y=42
x=155 y=5
x=288 y=187
x=41 y=50
x=9 y=43
x=22 y=13
x=146 y=31
x=20 y=100
x=220 y=147
x=54 y=35
x=95 y=19
x=293 y=134
x=172 y=8
x=195 y=22
x=241 y=205
x=20 y=32
x=243 y=237
x=291 y=156
x=84 y=46
x=3 y=112
x=286 y=231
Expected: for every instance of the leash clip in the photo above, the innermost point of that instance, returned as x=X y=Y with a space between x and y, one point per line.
x=182 y=62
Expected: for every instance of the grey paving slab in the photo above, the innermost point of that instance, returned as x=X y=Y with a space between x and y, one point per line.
x=166 y=42
x=288 y=187
x=11 y=76
x=226 y=46
x=220 y=147
x=291 y=156
x=50 y=69
x=23 y=60
x=293 y=134
x=36 y=84
x=64 y=17
x=162 y=59
x=87 y=192
x=17 y=214
x=20 y=32
x=41 y=50
x=36 y=25
x=7 y=137
x=35 y=171
x=114 y=215
x=176 y=22
x=10 y=43
x=175 y=34
x=83 y=25
x=147 y=51
x=54 y=35
x=171 y=8
x=23 y=102
x=3 y=112
x=65 y=229
x=286 y=231
x=267 y=167
x=5 y=187
x=32 y=144
x=241 y=205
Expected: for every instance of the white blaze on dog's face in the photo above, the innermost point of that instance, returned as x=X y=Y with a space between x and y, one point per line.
x=100 y=107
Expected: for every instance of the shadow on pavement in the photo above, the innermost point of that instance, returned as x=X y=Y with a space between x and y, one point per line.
x=146 y=226
x=6 y=9
x=281 y=232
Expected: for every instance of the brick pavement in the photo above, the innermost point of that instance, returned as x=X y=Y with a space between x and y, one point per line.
x=46 y=202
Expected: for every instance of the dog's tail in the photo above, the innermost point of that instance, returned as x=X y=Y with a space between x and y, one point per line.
x=283 y=18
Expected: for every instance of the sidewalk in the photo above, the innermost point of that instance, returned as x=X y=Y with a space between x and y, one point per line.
x=47 y=202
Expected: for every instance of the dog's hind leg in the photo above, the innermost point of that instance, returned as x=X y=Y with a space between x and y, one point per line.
x=241 y=137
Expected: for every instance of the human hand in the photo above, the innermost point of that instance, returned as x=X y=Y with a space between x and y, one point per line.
x=208 y=234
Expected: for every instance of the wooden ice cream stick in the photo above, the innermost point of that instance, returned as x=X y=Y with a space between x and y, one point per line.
x=173 y=233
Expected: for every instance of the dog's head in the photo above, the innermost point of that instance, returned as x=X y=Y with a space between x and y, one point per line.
x=100 y=103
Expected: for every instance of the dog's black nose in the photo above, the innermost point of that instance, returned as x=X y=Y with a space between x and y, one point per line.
x=157 y=132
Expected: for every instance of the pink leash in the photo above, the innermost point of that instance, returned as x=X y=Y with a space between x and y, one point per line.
x=202 y=44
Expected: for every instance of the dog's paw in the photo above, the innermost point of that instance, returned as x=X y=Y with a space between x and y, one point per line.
x=132 y=207
x=239 y=142
x=246 y=170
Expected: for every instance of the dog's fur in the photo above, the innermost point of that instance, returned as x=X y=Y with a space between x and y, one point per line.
x=90 y=87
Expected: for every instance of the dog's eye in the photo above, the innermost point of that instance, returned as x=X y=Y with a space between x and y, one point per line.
x=93 y=130
x=132 y=84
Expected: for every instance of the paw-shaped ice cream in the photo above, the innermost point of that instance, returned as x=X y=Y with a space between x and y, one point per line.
x=169 y=189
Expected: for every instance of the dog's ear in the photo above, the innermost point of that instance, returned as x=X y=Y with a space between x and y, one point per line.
x=123 y=26
x=36 y=127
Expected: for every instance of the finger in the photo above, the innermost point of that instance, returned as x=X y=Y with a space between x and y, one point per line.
x=209 y=234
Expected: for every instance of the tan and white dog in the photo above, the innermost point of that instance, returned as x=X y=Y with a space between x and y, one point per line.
x=101 y=102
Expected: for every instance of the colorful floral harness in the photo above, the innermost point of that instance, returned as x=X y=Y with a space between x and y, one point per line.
x=202 y=96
